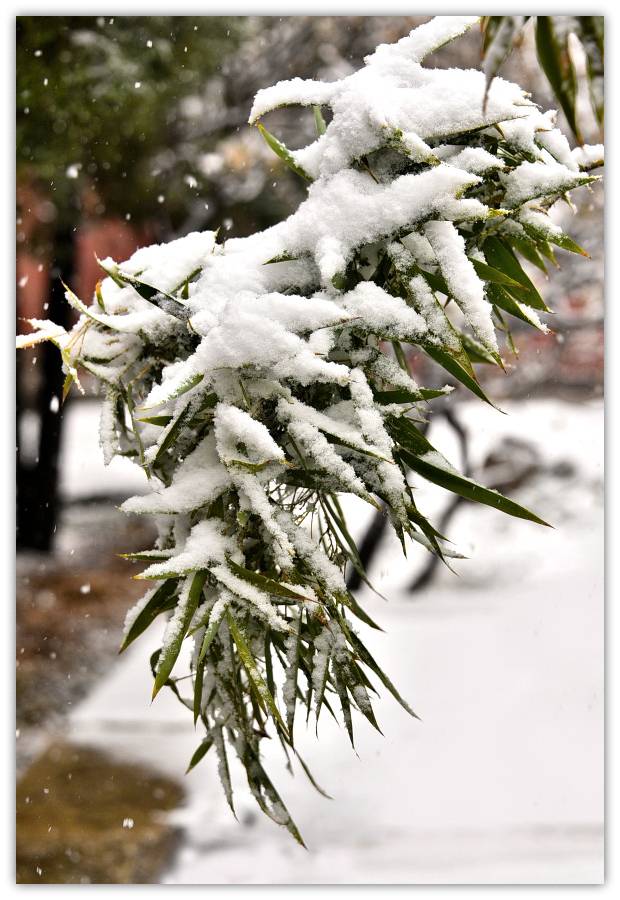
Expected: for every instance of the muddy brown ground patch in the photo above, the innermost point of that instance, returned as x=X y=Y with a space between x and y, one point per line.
x=84 y=817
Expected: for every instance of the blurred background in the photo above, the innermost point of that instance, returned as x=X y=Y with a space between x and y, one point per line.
x=132 y=130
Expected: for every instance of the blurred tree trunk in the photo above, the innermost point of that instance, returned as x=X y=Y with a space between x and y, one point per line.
x=37 y=480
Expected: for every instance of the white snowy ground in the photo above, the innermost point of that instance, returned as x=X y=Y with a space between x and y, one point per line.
x=502 y=781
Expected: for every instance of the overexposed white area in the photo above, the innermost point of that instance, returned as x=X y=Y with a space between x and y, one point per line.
x=502 y=780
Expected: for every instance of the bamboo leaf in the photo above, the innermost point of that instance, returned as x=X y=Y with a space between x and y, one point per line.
x=488 y=273
x=157 y=420
x=162 y=600
x=436 y=282
x=245 y=654
x=345 y=703
x=592 y=36
x=476 y=351
x=260 y=784
x=223 y=768
x=169 y=438
x=282 y=152
x=264 y=583
x=554 y=58
x=170 y=653
x=292 y=674
x=319 y=121
x=368 y=660
x=419 y=454
x=210 y=633
x=311 y=778
x=500 y=256
x=161 y=299
x=559 y=239
x=198 y=683
x=500 y=297
x=528 y=250
x=401 y=395
x=458 y=364
x=200 y=753
x=147 y=555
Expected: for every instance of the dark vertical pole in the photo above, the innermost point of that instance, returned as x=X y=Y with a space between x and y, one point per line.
x=38 y=481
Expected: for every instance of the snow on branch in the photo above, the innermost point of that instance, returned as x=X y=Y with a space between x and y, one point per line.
x=258 y=379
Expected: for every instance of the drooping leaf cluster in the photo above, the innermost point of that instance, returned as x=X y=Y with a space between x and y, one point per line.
x=259 y=380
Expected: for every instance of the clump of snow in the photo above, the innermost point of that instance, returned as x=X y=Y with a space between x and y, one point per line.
x=460 y=275
x=383 y=314
x=589 y=155
x=206 y=546
x=350 y=209
x=199 y=480
x=538 y=179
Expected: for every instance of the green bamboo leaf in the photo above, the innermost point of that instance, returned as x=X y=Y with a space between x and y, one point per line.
x=529 y=250
x=401 y=395
x=436 y=282
x=253 y=468
x=161 y=299
x=592 y=36
x=500 y=297
x=458 y=364
x=157 y=420
x=359 y=446
x=311 y=777
x=320 y=694
x=319 y=121
x=162 y=600
x=200 y=753
x=174 y=429
x=269 y=666
x=567 y=243
x=282 y=152
x=499 y=36
x=476 y=351
x=245 y=654
x=488 y=273
x=281 y=257
x=545 y=249
x=556 y=63
x=345 y=703
x=170 y=654
x=198 y=684
x=501 y=256
x=212 y=629
x=430 y=533
x=147 y=555
x=368 y=660
x=420 y=455
x=292 y=673
x=260 y=784
x=170 y=683
x=264 y=583
x=345 y=541
x=224 y=770
x=559 y=239
x=183 y=388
